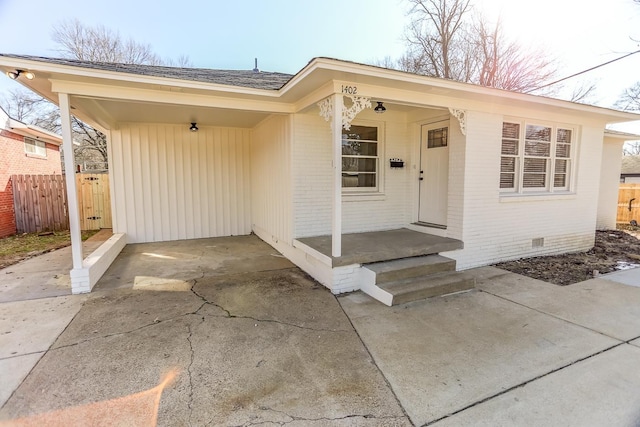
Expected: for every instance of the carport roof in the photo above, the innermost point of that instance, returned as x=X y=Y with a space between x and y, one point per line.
x=242 y=78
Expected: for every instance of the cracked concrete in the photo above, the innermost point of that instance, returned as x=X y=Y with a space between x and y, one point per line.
x=257 y=342
x=262 y=344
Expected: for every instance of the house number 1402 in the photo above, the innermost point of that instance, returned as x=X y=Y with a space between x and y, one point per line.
x=350 y=90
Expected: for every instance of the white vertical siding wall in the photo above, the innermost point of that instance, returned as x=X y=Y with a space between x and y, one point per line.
x=271 y=179
x=171 y=184
x=312 y=184
x=496 y=228
x=609 y=184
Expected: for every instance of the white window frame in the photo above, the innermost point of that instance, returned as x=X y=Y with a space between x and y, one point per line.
x=34 y=147
x=552 y=160
x=379 y=188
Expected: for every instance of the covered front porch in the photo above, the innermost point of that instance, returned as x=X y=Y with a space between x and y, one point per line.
x=392 y=266
x=377 y=246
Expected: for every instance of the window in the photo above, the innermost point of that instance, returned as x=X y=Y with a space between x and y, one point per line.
x=437 y=138
x=535 y=157
x=32 y=146
x=361 y=158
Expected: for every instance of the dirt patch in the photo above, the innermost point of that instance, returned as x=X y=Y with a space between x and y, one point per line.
x=614 y=250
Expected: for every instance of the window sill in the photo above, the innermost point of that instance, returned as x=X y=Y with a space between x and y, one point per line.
x=535 y=197
x=362 y=197
x=35 y=156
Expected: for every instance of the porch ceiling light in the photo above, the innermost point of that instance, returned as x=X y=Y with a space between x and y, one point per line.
x=380 y=108
x=15 y=74
x=193 y=127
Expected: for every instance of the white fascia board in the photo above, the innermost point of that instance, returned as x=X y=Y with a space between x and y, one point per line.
x=459 y=88
x=33 y=131
x=624 y=136
x=167 y=97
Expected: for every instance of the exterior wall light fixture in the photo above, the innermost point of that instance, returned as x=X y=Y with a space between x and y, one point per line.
x=15 y=74
x=193 y=127
x=380 y=108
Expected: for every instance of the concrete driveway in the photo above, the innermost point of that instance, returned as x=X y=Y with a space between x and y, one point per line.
x=257 y=342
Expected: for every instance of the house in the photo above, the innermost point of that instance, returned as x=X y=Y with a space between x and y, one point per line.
x=630 y=170
x=24 y=150
x=339 y=167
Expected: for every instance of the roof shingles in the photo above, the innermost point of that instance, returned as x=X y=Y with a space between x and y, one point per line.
x=242 y=78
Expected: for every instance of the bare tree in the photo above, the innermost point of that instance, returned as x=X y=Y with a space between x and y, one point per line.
x=100 y=44
x=97 y=44
x=630 y=99
x=504 y=63
x=436 y=38
x=446 y=39
x=631 y=148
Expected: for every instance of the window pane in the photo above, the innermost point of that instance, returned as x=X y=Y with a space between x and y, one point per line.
x=507 y=180
x=507 y=164
x=538 y=133
x=563 y=150
x=511 y=130
x=560 y=180
x=437 y=138
x=509 y=147
x=369 y=133
x=561 y=166
x=564 y=136
x=534 y=180
x=540 y=149
x=33 y=146
x=354 y=164
x=535 y=165
x=359 y=180
x=354 y=148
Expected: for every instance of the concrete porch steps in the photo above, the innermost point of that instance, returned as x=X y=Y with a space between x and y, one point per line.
x=410 y=279
x=435 y=285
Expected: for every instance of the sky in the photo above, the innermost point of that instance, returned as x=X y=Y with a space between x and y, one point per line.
x=286 y=34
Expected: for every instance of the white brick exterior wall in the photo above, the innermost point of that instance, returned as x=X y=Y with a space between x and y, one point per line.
x=312 y=186
x=500 y=228
x=312 y=182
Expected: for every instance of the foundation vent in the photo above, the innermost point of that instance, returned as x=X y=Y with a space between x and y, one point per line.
x=537 y=243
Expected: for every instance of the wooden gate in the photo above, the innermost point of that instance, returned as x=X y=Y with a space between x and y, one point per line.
x=40 y=203
x=94 y=200
x=628 y=203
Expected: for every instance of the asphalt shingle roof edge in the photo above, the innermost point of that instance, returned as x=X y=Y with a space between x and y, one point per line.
x=242 y=78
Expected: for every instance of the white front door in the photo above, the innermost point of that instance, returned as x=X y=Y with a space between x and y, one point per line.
x=434 y=173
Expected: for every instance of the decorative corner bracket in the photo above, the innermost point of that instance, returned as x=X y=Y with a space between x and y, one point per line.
x=326 y=109
x=358 y=103
x=461 y=115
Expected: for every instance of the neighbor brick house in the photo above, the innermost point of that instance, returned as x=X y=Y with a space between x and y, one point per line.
x=24 y=150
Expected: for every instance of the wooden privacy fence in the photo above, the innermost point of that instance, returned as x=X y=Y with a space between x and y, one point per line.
x=628 y=203
x=94 y=200
x=40 y=203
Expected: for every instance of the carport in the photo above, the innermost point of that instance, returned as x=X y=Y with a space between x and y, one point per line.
x=180 y=135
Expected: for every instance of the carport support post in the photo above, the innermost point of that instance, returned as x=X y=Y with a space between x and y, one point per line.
x=70 y=177
x=336 y=224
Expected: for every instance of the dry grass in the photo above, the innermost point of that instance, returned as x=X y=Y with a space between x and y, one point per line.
x=14 y=249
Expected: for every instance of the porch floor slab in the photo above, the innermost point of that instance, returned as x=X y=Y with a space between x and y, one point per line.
x=376 y=246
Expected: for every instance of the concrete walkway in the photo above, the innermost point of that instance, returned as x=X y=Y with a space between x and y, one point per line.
x=256 y=341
